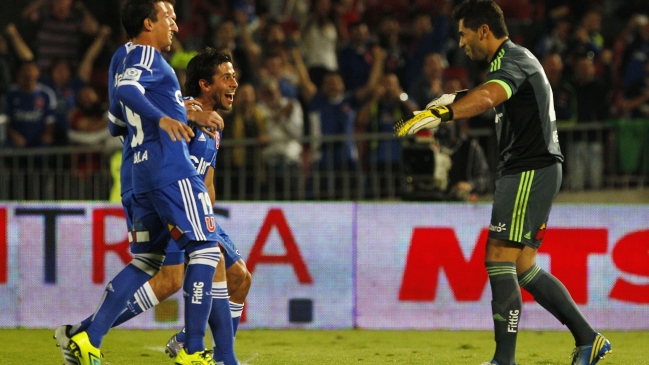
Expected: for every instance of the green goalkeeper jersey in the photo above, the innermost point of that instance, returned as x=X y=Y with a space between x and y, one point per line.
x=525 y=122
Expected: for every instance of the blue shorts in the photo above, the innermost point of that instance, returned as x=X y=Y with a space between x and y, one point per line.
x=176 y=256
x=230 y=251
x=181 y=210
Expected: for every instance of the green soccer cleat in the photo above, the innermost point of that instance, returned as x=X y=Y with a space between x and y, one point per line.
x=83 y=350
x=62 y=337
x=197 y=358
x=592 y=353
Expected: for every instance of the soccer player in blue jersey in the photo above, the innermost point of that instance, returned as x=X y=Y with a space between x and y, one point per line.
x=169 y=279
x=211 y=81
x=169 y=197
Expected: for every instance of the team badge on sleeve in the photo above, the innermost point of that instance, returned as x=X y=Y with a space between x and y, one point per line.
x=132 y=74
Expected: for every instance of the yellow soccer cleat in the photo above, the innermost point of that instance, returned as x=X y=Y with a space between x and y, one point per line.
x=83 y=350
x=197 y=358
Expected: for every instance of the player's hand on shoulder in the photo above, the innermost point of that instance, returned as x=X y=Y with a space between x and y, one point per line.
x=193 y=105
x=208 y=121
x=176 y=129
x=446 y=99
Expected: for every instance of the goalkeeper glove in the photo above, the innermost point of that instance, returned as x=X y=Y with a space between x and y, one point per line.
x=447 y=99
x=429 y=119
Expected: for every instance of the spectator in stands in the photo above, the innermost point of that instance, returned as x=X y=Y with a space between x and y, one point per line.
x=89 y=121
x=469 y=176
x=63 y=26
x=379 y=115
x=426 y=38
x=585 y=152
x=636 y=97
x=283 y=74
x=245 y=121
x=274 y=41
x=284 y=128
x=557 y=39
x=320 y=40
x=636 y=52
x=245 y=53
x=565 y=98
x=66 y=83
x=356 y=57
x=8 y=65
x=429 y=84
x=29 y=108
x=390 y=40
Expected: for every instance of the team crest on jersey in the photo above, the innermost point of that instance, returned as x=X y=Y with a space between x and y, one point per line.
x=132 y=74
x=218 y=140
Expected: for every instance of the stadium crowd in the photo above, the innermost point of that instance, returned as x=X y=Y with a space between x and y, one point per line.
x=312 y=69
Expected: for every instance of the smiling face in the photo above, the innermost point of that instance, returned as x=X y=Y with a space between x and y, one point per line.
x=223 y=86
x=471 y=44
x=163 y=28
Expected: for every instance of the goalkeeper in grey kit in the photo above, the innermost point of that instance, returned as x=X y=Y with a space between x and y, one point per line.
x=529 y=177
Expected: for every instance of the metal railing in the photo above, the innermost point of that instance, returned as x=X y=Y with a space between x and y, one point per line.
x=82 y=173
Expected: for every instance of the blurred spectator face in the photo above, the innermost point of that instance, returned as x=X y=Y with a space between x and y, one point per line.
x=553 y=67
x=275 y=35
x=332 y=85
x=359 y=34
x=644 y=31
x=451 y=85
x=422 y=25
x=61 y=8
x=269 y=93
x=274 y=66
x=592 y=21
x=87 y=99
x=393 y=89
x=226 y=33
x=584 y=70
x=433 y=66
x=28 y=76
x=61 y=73
x=389 y=26
x=323 y=8
x=563 y=29
x=245 y=95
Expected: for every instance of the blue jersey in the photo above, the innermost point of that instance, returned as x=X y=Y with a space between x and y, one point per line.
x=117 y=125
x=147 y=91
x=30 y=113
x=203 y=150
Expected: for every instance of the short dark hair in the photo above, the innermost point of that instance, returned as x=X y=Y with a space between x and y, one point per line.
x=478 y=12
x=203 y=67
x=133 y=14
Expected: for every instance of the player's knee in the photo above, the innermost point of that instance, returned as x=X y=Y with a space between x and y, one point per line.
x=239 y=278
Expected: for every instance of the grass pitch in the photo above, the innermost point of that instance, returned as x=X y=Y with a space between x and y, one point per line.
x=287 y=347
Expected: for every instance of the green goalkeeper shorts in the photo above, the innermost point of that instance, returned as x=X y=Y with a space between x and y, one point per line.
x=522 y=204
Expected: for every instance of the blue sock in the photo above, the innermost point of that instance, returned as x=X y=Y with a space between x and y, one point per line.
x=143 y=300
x=181 y=336
x=236 y=310
x=221 y=325
x=197 y=288
x=117 y=292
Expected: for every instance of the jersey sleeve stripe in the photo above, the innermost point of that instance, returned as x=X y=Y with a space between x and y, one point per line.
x=146 y=59
x=505 y=86
x=133 y=83
x=116 y=120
